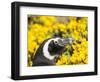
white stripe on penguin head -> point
(45, 50)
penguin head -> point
(57, 45)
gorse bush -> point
(44, 27)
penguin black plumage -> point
(48, 50)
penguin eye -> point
(56, 42)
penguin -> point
(49, 50)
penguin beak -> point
(67, 40)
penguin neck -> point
(46, 52)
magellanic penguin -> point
(49, 49)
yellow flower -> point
(59, 62)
